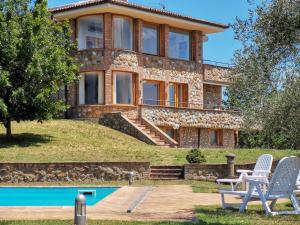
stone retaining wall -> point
(59, 172)
(211, 172)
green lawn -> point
(206, 216)
(69, 140)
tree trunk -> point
(8, 128)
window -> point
(123, 93)
(152, 92)
(178, 95)
(224, 95)
(123, 33)
(216, 137)
(171, 133)
(150, 40)
(179, 45)
(91, 89)
(90, 32)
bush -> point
(195, 156)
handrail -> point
(216, 63)
(189, 105)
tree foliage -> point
(266, 75)
(35, 61)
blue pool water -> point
(50, 196)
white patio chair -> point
(282, 185)
(261, 170)
(298, 185)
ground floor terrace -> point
(160, 203)
(175, 126)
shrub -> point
(195, 156)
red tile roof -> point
(88, 3)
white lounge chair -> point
(282, 185)
(261, 170)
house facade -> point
(142, 72)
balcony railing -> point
(187, 105)
(216, 63)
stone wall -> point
(216, 73)
(211, 172)
(212, 96)
(228, 138)
(180, 117)
(118, 122)
(189, 138)
(60, 172)
(95, 111)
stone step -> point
(167, 167)
(166, 170)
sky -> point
(221, 46)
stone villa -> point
(142, 72)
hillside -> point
(69, 140)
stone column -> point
(108, 39)
(138, 35)
(230, 165)
(164, 40)
(196, 42)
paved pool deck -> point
(172, 202)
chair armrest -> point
(256, 178)
(244, 171)
(262, 171)
(248, 179)
(227, 181)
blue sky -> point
(220, 47)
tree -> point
(35, 62)
(266, 74)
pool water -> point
(51, 196)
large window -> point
(150, 39)
(122, 32)
(178, 95)
(179, 45)
(123, 93)
(152, 93)
(90, 32)
(91, 89)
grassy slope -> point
(67, 140)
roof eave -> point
(67, 10)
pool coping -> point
(56, 186)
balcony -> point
(216, 72)
(100, 58)
(192, 117)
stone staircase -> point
(155, 134)
(139, 128)
(166, 173)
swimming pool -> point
(51, 196)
